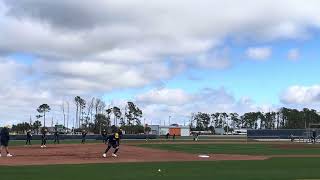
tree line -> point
(92, 116)
(284, 118)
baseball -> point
(159, 170)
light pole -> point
(68, 116)
(169, 120)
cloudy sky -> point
(170, 57)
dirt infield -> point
(92, 153)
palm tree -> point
(109, 111)
(36, 125)
(215, 119)
(82, 105)
(44, 108)
(117, 114)
(235, 119)
(77, 101)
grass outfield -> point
(129, 141)
(275, 169)
(88, 141)
(248, 149)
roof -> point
(182, 127)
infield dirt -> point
(92, 153)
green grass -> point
(275, 169)
(178, 139)
(249, 149)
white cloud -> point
(86, 77)
(214, 60)
(19, 99)
(259, 53)
(165, 96)
(293, 54)
(301, 95)
(91, 48)
(158, 104)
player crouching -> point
(112, 142)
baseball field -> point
(159, 159)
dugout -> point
(308, 134)
(275, 133)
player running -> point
(4, 140)
(118, 136)
(112, 142)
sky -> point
(172, 58)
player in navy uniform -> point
(29, 136)
(314, 136)
(56, 136)
(44, 138)
(104, 136)
(112, 142)
(84, 134)
(118, 136)
(167, 136)
(4, 140)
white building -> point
(172, 130)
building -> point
(219, 131)
(60, 128)
(240, 132)
(173, 129)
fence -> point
(275, 134)
(92, 137)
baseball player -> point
(44, 138)
(195, 136)
(118, 136)
(314, 136)
(29, 136)
(112, 142)
(83, 134)
(4, 140)
(56, 137)
(104, 136)
(167, 136)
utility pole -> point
(114, 119)
(68, 115)
(191, 120)
(125, 112)
(74, 124)
(30, 121)
(64, 115)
